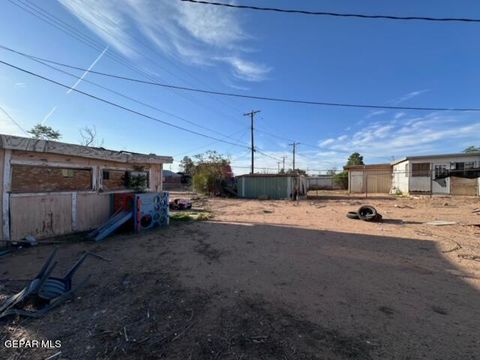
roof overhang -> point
(368, 167)
(438, 156)
(55, 147)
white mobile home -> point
(426, 174)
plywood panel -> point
(461, 186)
(40, 215)
(92, 210)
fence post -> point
(431, 181)
(365, 181)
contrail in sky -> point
(50, 113)
(87, 71)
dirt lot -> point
(270, 280)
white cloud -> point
(246, 70)
(105, 18)
(210, 24)
(408, 96)
(428, 134)
(199, 35)
(375, 113)
(326, 142)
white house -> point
(423, 174)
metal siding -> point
(258, 186)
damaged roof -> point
(18, 143)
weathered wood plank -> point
(92, 210)
(6, 178)
(41, 216)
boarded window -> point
(421, 169)
(26, 178)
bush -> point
(200, 183)
(341, 179)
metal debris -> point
(44, 292)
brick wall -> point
(26, 178)
(115, 180)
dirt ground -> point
(270, 280)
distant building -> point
(374, 178)
(170, 177)
(455, 174)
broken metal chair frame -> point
(52, 290)
(31, 289)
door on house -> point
(440, 185)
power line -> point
(265, 154)
(73, 32)
(325, 13)
(303, 143)
(244, 131)
(120, 106)
(131, 98)
(254, 97)
(13, 120)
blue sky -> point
(257, 53)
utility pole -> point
(294, 150)
(252, 116)
(278, 164)
(283, 157)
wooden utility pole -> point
(294, 150)
(252, 116)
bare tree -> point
(90, 137)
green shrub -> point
(341, 179)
